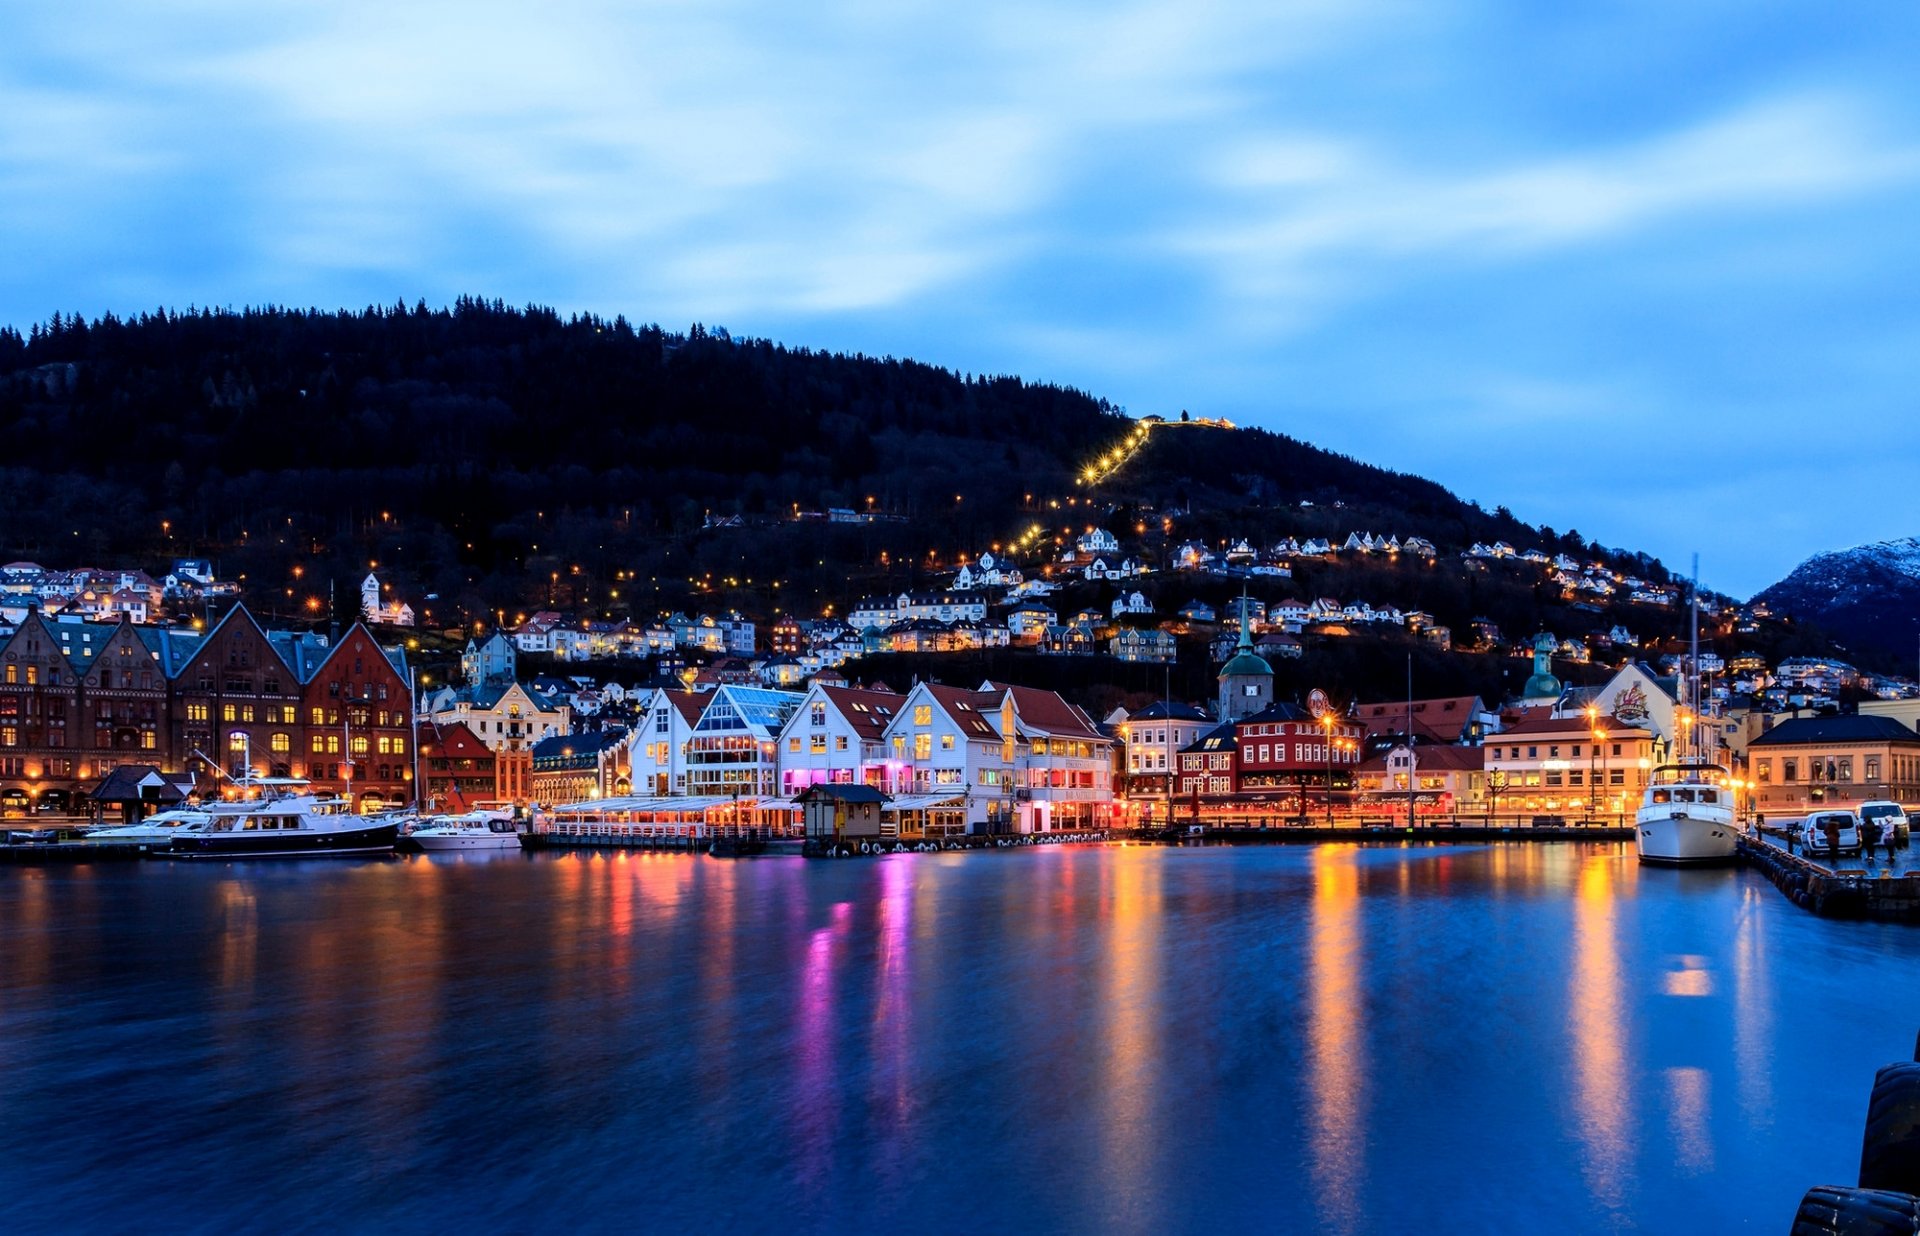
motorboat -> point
(476, 830)
(284, 822)
(157, 830)
(1686, 816)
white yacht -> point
(284, 822)
(157, 830)
(1687, 816)
(476, 830)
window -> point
(923, 746)
(817, 715)
(229, 712)
(793, 744)
(1763, 770)
(1872, 772)
(946, 742)
(923, 714)
(817, 745)
(840, 742)
(237, 740)
(1789, 770)
(281, 744)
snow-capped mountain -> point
(1867, 596)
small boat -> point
(476, 830)
(284, 823)
(1686, 817)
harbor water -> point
(1106, 1038)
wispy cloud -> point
(1299, 206)
(1424, 232)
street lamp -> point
(1326, 723)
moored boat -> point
(1686, 818)
(284, 825)
(157, 831)
(477, 830)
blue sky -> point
(1642, 269)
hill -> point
(492, 460)
(1867, 597)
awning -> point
(923, 802)
(679, 804)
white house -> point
(373, 609)
(837, 735)
(734, 747)
(1096, 541)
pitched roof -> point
(456, 739)
(1853, 728)
(1160, 710)
(966, 708)
(1437, 758)
(689, 704)
(867, 711)
(1440, 719)
(845, 793)
(123, 785)
(1555, 726)
(1223, 737)
(1046, 711)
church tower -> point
(1246, 681)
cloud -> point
(1302, 205)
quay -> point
(71, 851)
(1836, 892)
(1428, 831)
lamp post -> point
(1593, 771)
(1326, 723)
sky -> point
(1643, 270)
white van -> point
(1885, 813)
(1812, 833)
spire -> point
(1246, 634)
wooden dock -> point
(72, 851)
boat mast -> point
(1693, 667)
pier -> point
(1886, 895)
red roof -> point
(689, 704)
(457, 740)
(1439, 719)
(1046, 711)
(1554, 726)
(966, 707)
(1437, 758)
(869, 712)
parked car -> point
(1885, 813)
(1812, 833)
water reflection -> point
(1688, 1112)
(1129, 994)
(1753, 999)
(1343, 1038)
(1597, 1026)
(892, 1030)
(1336, 1049)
